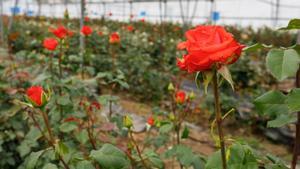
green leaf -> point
(293, 100)
(64, 100)
(50, 166)
(185, 132)
(110, 157)
(293, 24)
(271, 103)
(166, 128)
(67, 127)
(82, 136)
(207, 77)
(84, 165)
(33, 158)
(214, 161)
(255, 47)
(197, 80)
(154, 158)
(282, 119)
(198, 162)
(225, 73)
(283, 63)
(61, 148)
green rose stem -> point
(91, 135)
(83, 58)
(51, 63)
(137, 149)
(60, 58)
(51, 140)
(219, 118)
(177, 122)
(90, 130)
(296, 150)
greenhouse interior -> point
(150, 84)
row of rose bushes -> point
(145, 52)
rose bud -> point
(36, 96)
(180, 97)
(150, 121)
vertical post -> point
(212, 9)
(165, 9)
(81, 40)
(277, 12)
(104, 10)
(1, 22)
(12, 17)
(130, 8)
(39, 2)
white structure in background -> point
(240, 12)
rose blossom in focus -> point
(208, 46)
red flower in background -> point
(86, 19)
(110, 14)
(60, 32)
(35, 94)
(131, 16)
(86, 30)
(180, 97)
(207, 46)
(70, 33)
(114, 38)
(130, 28)
(142, 20)
(50, 43)
(100, 33)
(95, 105)
(150, 121)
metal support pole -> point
(1, 22)
(131, 13)
(277, 12)
(82, 5)
(212, 9)
(165, 9)
(104, 10)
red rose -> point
(109, 14)
(131, 16)
(86, 30)
(150, 121)
(208, 46)
(130, 28)
(142, 20)
(180, 97)
(60, 32)
(35, 95)
(114, 38)
(50, 43)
